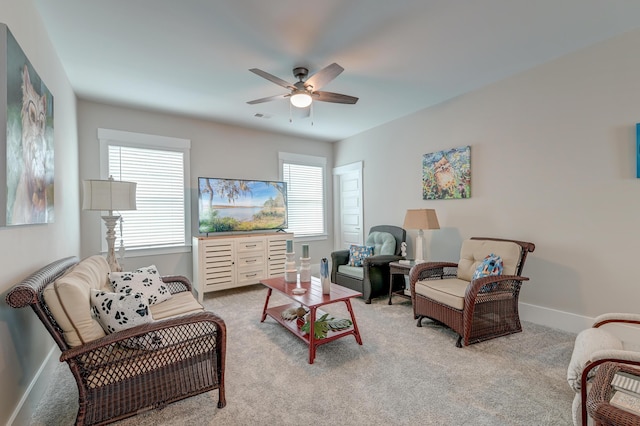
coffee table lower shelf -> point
(276, 313)
(312, 298)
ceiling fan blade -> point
(324, 76)
(334, 97)
(267, 99)
(272, 78)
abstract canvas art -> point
(447, 174)
(26, 111)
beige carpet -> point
(402, 375)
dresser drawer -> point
(250, 245)
(248, 276)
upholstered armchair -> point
(612, 337)
(372, 278)
(476, 308)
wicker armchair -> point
(115, 381)
(476, 309)
(613, 337)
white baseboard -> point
(31, 397)
(553, 318)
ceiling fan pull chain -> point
(290, 119)
(311, 106)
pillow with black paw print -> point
(144, 280)
(119, 311)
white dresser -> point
(229, 261)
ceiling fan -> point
(303, 92)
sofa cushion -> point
(382, 242)
(449, 292)
(473, 253)
(356, 272)
(180, 304)
(587, 343)
(358, 253)
(147, 283)
(68, 299)
(119, 311)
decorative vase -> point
(290, 271)
(305, 269)
(324, 276)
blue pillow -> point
(491, 265)
(358, 253)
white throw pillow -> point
(145, 280)
(119, 311)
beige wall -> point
(217, 150)
(553, 162)
(24, 343)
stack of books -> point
(626, 394)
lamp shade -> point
(421, 219)
(108, 195)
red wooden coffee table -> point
(312, 299)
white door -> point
(349, 223)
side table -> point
(598, 402)
(397, 268)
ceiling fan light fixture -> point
(301, 99)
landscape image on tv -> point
(226, 205)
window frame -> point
(109, 137)
(308, 160)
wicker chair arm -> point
(124, 335)
(627, 318)
(177, 283)
(619, 356)
(427, 270)
(476, 285)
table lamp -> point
(420, 219)
(109, 195)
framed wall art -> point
(447, 174)
(26, 144)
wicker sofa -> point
(115, 378)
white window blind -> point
(159, 219)
(160, 167)
(305, 197)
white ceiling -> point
(191, 57)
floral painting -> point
(447, 174)
(28, 144)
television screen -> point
(227, 205)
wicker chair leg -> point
(459, 342)
(419, 324)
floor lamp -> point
(109, 195)
(420, 219)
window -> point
(160, 167)
(305, 177)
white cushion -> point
(180, 304)
(68, 300)
(587, 343)
(148, 283)
(473, 253)
(119, 311)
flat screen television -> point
(230, 205)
